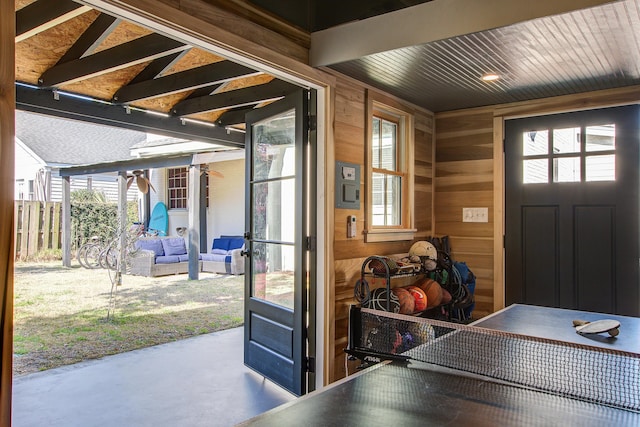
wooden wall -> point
(349, 146)
(7, 154)
(464, 179)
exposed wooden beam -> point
(99, 29)
(233, 99)
(42, 101)
(233, 117)
(134, 52)
(158, 66)
(195, 78)
(128, 165)
(44, 14)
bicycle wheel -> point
(92, 256)
(109, 258)
(81, 253)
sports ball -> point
(419, 296)
(433, 291)
(377, 266)
(378, 300)
(407, 302)
(424, 249)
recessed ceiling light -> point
(489, 77)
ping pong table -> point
(420, 393)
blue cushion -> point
(174, 246)
(185, 257)
(219, 251)
(220, 243)
(236, 243)
(154, 245)
(167, 259)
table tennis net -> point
(592, 374)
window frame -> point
(170, 187)
(377, 107)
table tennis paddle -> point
(599, 326)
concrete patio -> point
(200, 381)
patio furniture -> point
(225, 257)
(160, 256)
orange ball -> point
(407, 301)
(419, 296)
(433, 291)
(446, 297)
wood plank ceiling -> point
(76, 62)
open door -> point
(279, 282)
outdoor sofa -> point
(160, 256)
(225, 256)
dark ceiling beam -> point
(128, 165)
(71, 107)
(204, 91)
(206, 75)
(235, 98)
(134, 52)
(233, 117)
(99, 29)
(158, 66)
(44, 14)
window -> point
(389, 174)
(177, 188)
(576, 154)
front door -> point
(279, 280)
(572, 211)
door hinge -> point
(311, 243)
(312, 122)
(310, 364)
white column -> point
(66, 221)
(193, 201)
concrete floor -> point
(200, 381)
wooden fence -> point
(37, 227)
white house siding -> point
(226, 200)
(106, 184)
(27, 166)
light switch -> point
(475, 214)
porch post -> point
(66, 221)
(194, 221)
(122, 221)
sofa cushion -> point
(154, 245)
(185, 257)
(219, 251)
(228, 243)
(221, 244)
(214, 257)
(167, 259)
(174, 246)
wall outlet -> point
(475, 214)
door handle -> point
(245, 253)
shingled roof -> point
(69, 142)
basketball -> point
(378, 300)
(433, 291)
(407, 302)
(377, 266)
(419, 297)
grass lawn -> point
(66, 315)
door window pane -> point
(566, 140)
(273, 273)
(274, 147)
(274, 210)
(601, 138)
(536, 171)
(601, 168)
(535, 142)
(566, 169)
